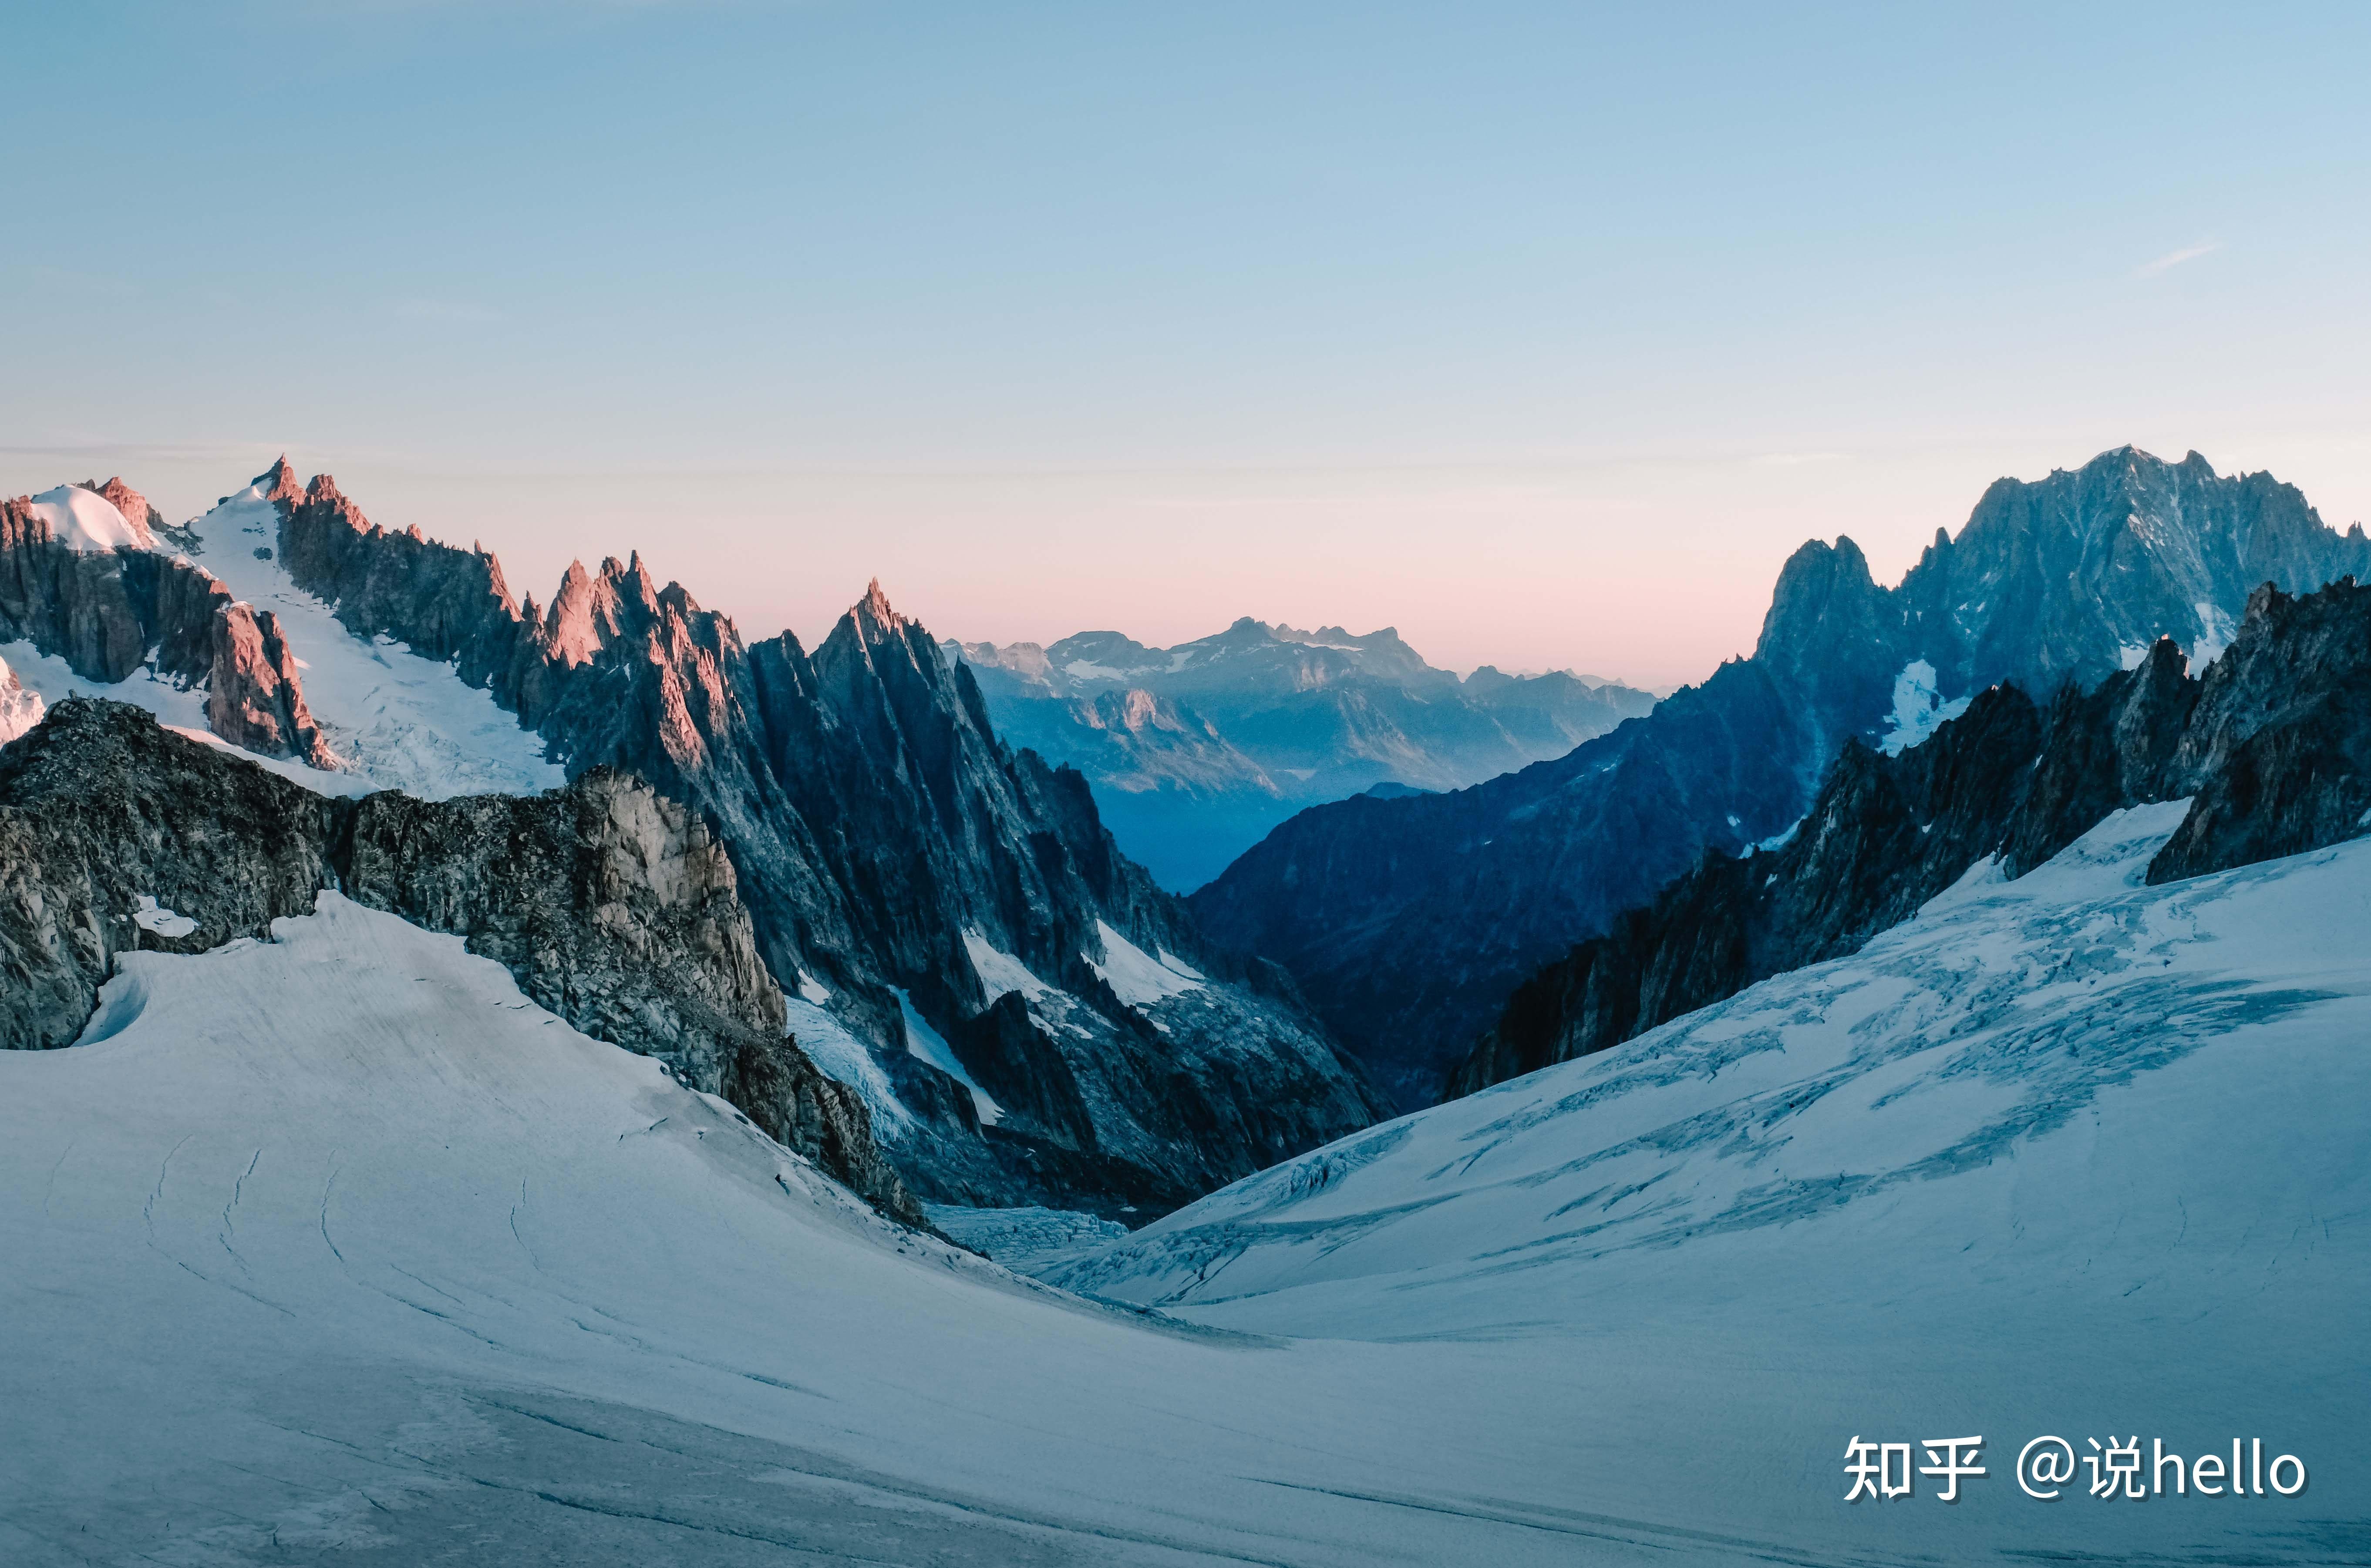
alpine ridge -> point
(1409, 922)
(902, 869)
(2270, 746)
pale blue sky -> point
(1542, 331)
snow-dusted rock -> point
(20, 708)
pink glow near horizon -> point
(1649, 571)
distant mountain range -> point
(1196, 751)
(1409, 922)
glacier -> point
(336, 1249)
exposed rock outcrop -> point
(2274, 745)
(144, 519)
(611, 905)
(254, 698)
(2280, 746)
(116, 835)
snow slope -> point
(20, 706)
(336, 1250)
(402, 722)
(2061, 1154)
(87, 522)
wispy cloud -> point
(1797, 459)
(2173, 258)
(445, 310)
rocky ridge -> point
(108, 615)
(2270, 744)
(612, 905)
(1409, 922)
(883, 838)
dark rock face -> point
(63, 601)
(2280, 745)
(1407, 918)
(876, 826)
(100, 807)
(144, 519)
(612, 905)
(253, 698)
(2067, 579)
(2274, 745)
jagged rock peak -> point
(278, 482)
(873, 614)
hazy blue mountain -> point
(1196, 751)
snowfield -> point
(400, 721)
(336, 1250)
(87, 522)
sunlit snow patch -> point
(1136, 976)
(151, 916)
(842, 1057)
(923, 1042)
(1919, 708)
(86, 522)
(999, 971)
(402, 722)
(20, 706)
(181, 710)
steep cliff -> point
(2070, 578)
(2271, 745)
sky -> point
(1543, 332)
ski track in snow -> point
(2064, 1155)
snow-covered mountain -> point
(2063, 1153)
(1196, 751)
(2274, 741)
(444, 1279)
(1025, 1016)
(1410, 921)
